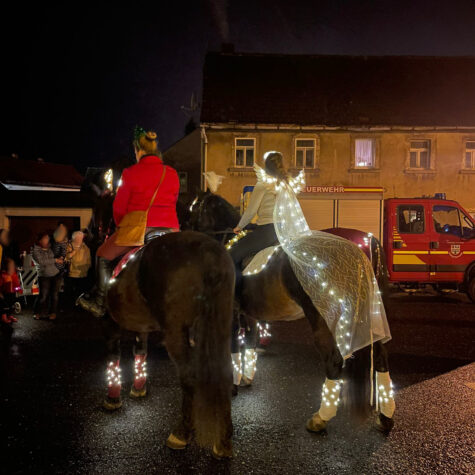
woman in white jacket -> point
(262, 204)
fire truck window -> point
(468, 229)
(446, 220)
(411, 219)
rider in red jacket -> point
(136, 188)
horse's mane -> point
(224, 213)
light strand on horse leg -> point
(237, 368)
(330, 398)
(385, 394)
(140, 371)
(114, 379)
(250, 363)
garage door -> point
(318, 213)
(360, 214)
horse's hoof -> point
(112, 404)
(316, 423)
(384, 424)
(235, 390)
(138, 393)
(245, 381)
(222, 453)
(174, 443)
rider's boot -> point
(139, 388)
(114, 385)
(96, 305)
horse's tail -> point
(380, 268)
(357, 384)
(211, 356)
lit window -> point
(244, 152)
(364, 153)
(305, 153)
(419, 154)
(469, 161)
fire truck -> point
(430, 241)
(427, 241)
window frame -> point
(245, 148)
(373, 150)
(418, 150)
(411, 206)
(472, 152)
(305, 148)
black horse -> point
(275, 294)
(181, 285)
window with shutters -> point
(244, 152)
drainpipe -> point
(204, 157)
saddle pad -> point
(123, 262)
(260, 260)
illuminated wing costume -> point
(334, 272)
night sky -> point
(76, 80)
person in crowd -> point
(59, 246)
(4, 243)
(49, 278)
(149, 184)
(9, 286)
(79, 257)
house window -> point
(244, 152)
(469, 161)
(305, 153)
(364, 153)
(419, 154)
(411, 219)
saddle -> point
(257, 263)
(150, 236)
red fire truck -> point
(430, 241)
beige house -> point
(364, 128)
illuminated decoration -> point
(193, 204)
(263, 330)
(260, 261)
(108, 178)
(333, 271)
(250, 363)
(140, 368)
(234, 240)
(385, 394)
(120, 183)
(330, 398)
(113, 374)
(237, 368)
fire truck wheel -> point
(471, 288)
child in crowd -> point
(49, 278)
(9, 286)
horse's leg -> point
(182, 433)
(327, 348)
(250, 353)
(114, 381)
(384, 389)
(236, 351)
(139, 388)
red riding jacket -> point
(137, 185)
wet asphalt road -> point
(52, 378)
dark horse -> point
(181, 285)
(275, 294)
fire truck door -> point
(448, 261)
(409, 243)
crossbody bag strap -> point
(156, 189)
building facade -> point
(362, 128)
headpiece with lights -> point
(146, 141)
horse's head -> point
(211, 214)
